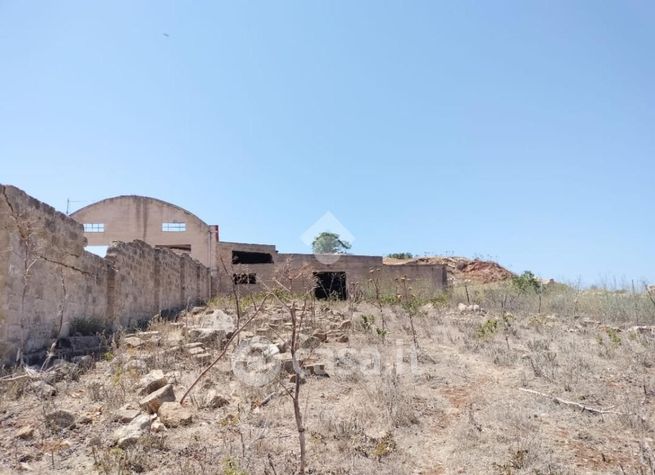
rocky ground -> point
(482, 393)
(461, 269)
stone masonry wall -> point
(47, 279)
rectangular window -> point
(173, 227)
(247, 257)
(240, 279)
(94, 227)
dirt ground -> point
(476, 396)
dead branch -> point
(564, 402)
(227, 346)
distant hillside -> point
(462, 268)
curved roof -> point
(138, 197)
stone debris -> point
(151, 382)
(214, 400)
(321, 336)
(173, 414)
(157, 426)
(283, 346)
(203, 358)
(285, 362)
(216, 320)
(61, 370)
(43, 389)
(462, 307)
(138, 365)
(125, 414)
(25, 432)
(133, 341)
(86, 418)
(195, 344)
(644, 329)
(309, 343)
(85, 362)
(206, 335)
(130, 434)
(153, 401)
(346, 325)
(149, 335)
(60, 419)
(316, 369)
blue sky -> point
(518, 130)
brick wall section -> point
(423, 280)
(47, 279)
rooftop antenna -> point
(68, 204)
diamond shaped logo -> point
(327, 223)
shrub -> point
(526, 282)
(401, 255)
(83, 326)
(488, 328)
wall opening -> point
(241, 279)
(94, 227)
(247, 257)
(173, 227)
(330, 285)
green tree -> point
(526, 282)
(329, 243)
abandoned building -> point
(253, 267)
(160, 258)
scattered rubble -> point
(60, 419)
(173, 414)
(154, 400)
(126, 414)
(462, 307)
(133, 341)
(43, 389)
(25, 432)
(129, 434)
(214, 400)
(151, 382)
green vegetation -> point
(488, 328)
(527, 282)
(401, 255)
(329, 243)
(368, 321)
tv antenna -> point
(68, 204)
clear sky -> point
(518, 130)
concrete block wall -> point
(47, 279)
(360, 271)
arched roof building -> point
(159, 223)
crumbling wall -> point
(47, 279)
(363, 273)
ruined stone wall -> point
(47, 279)
(297, 272)
(265, 273)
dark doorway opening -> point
(330, 285)
(240, 279)
(247, 257)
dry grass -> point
(453, 405)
